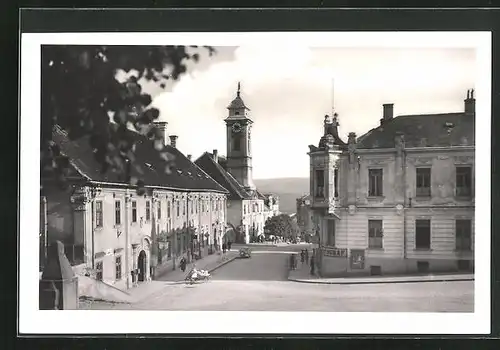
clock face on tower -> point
(236, 127)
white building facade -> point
(399, 199)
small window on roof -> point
(179, 171)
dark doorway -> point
(141, 265)
(375, 270)
(423, 266)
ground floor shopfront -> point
(335, 262)
(392, 241)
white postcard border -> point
(32, 320)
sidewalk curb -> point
(222, 264)
(380, 281)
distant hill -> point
(288, 190)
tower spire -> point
(239, 88)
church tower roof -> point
(238, 103)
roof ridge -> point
(207, 174)
(222, 171)
(149, 161)
(421, 129)
(430, 114)
(226, 174)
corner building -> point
(122, 238)
(399, 199)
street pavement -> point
(260, 284)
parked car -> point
(245, 253)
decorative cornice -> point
(464, 160)
(420, 160)
(377, 161)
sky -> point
(289, 89)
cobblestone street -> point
(260, 284)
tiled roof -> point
(237, 103)
(184, 176)
(260, 195)
(304, 197)
(430, 130)
(224, 178)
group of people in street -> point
(304, 259)
(183, 262)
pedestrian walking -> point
(183, 264)
(312, 265)
(302, 256)
(223, 248)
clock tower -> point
(239, 146)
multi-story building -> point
(271, 205)
(305, 217)
(399, 199)
(246, 208)
(119, 234)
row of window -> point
(182, 246)
(205, 207)
(463, 234)
(256, 207)
(423, 182)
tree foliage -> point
(81, 94)
(281, 225)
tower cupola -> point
(237, 108)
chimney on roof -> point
(162, 127)
(215, 155)
(173, 141)
(351, 138)
(470, 103)
(388, 113)
(189, 156)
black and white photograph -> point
(255, 182)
